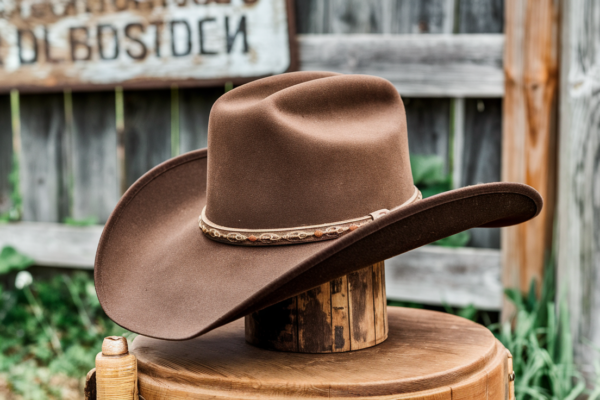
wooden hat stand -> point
(330, 342)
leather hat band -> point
(301, 234)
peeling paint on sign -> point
(85, 43)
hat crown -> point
(306, 148)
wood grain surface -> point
(428, 122)
(578, 238)
(438, 275)
(477, 16)
(6, 152)
(194, 109)
(529, 132)
(482, 156)
(147, 131)
(346, 314)
(96, 174)
(478, 154)
(428, 355)
(374, 16)
(418, 65)
(43, 163)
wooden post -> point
(511, 377)
(116, 371)
(346, 314)
(578, 239)
(529, 119)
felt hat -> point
(306, 178)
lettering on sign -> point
(47, 44)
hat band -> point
(300, 234)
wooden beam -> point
(418, 65)
(531, 68)
(578, 213)
(436, 275)
(55, 245)
(430, 275)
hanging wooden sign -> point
(86, 44)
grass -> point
(51, 329)
(539, 338)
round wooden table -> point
(428, 355)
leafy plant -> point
(14, 213)
(12, 260)
(539, 338)
(429, 177)
(50, 329)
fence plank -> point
(481, 16)
(578, 238)
(374, 16)
(51, 244)
(6, 151)
(95, 164)
(529, 112)
(194, 109)
(437, 275)
(482, 135)
(147, 116)
(43, 160)
(419, 16)
(428, 123)
(482, 155)
(430, 274)
(418, 65)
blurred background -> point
(493, 90)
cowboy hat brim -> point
(156, 274)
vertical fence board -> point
(482, 135)
(418, 16)
(374, 16)
(428, 119)
(194, 109)
(43, 171)
(95, 165)
(428, 123)
(529, 112)
(578, 234)
(481, 16)
(6, 151)
(147, 131)
(482, 152)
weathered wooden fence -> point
(78, 151)
(578, 233)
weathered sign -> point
(46, 44)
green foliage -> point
(405, 304)
(539, 338)
(81, 222)
(429, 177)
(14, 213)
(53, 327)
(11, 260)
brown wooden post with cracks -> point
(116, 371)
(346, 314)
(529, 133)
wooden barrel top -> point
(428, 355)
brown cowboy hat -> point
(306, 178)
